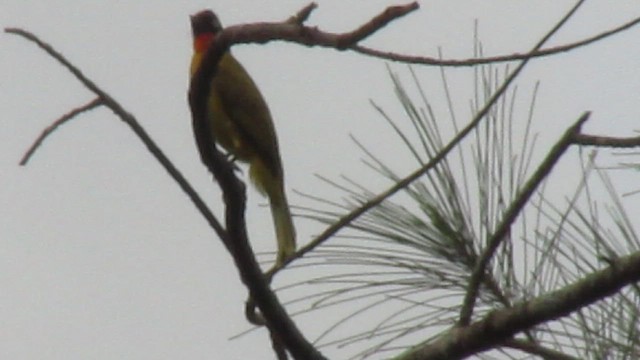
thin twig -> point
(303, 14)
(55, 125)
(389, 14)
(606, 141)
(424, 60)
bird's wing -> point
(248, 110)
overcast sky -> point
(103, 257)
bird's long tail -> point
(285, 232)
(273, 187)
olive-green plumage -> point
(240, 121)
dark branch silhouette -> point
(55, 125)
(106, 100)
(606, 141)
(424, 60)
(503, 324)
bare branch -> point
(605, 141)
(262, 32)
(500, 325)
(424, 60)
(375, 24)
(130, 120)
(59, 122)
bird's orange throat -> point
(202, 41)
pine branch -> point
(500, 325)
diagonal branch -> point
(130, 120)
(55, 125)
(501, 325)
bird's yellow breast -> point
(239, 118)
(229, 105)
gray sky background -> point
(101, 254)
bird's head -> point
(205, 26)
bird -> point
(239, 120)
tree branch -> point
(130, 120)
(55, 125)
(605, 141)
(344, 41)
(292, 30)
(424, 60)
(500, 325)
